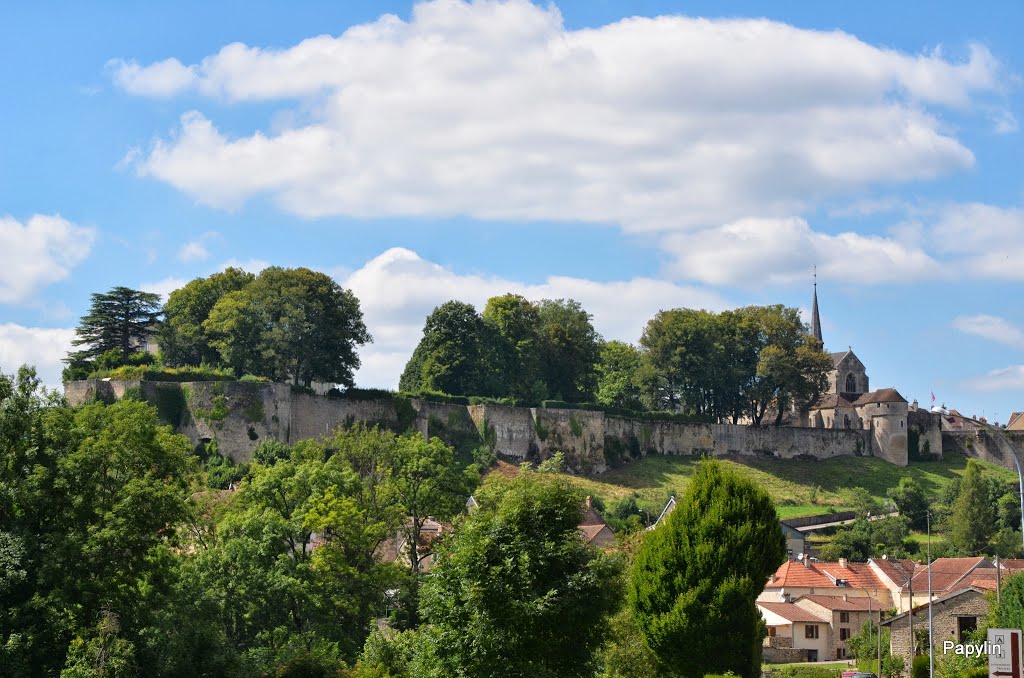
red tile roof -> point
(898, 571)
(948, 573)
(791, 612)
(882, 395)
(855, 604)
(795, 574)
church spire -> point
(815, 318)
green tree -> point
(972, 522)
(1009, 614)
(120, 319)
(515, 591)
(183, 341)
(571, 350)
(791, 367)
(292, 325)
(89, 503)
(696, 578)
(617, 372)
(515, 322)
(910, 501)
(454, 354)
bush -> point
(254, 379)
(151, 373)
(558, 405)
(920, 667)
(438, 397)
(367, 394)
(505, 402)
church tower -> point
(815, 318)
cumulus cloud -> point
(161, 79)
(991, 327)
(42, 348)
(38, 252)
(398, 289)
(197, 249)
(163, 287)
(759, 251)
(1005, 379)
(987, 238)
(496, 110)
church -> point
(850, 404)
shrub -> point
(557, 405)
(438, 397)
(253, 378)
(368, 394)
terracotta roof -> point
(948, 573)
(590, 532)
(856, 604)
(898, 571)
(791, 612)
(795, 574)
(1012, 565)
(882, 395)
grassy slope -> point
(798, 487)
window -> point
(844, 633)
(771, 631)
(840, 653)
(844, 617)
(810, 631)
(965, 625)
(851, 383)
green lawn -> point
(798, 487)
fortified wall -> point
(997, 447)
(240, 415)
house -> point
(844, 616)
(953, 616)
(595, 530)
(1015, 422)
(805, 577)
(796, 541)
(670, 506)
(794, 633)
(395, 549)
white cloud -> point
(38, 252)
(197, 249)
(988, 239)
(773, 251)
(398, 289)
(163, 287)
(496, 110)
(991, 327)
(161, 79)
(40, 347)
(1005, 379)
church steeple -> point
(815, 318)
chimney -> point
(844, 563)
(807, 561)
(845, 597)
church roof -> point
(837, 356)
(831, 401)
(882, 395)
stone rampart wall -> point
(240, 415)
(997, 447)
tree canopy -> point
(120, 320)
(516, 591)
(292, 325)
(183, 340)
(696, 578)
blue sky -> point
(634, 156)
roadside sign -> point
(1005, 654)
